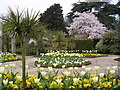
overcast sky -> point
(37, 5)
(41, 5)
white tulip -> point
(101, 74)
(96, 67)
(83, 67)
(66, 73)
(95, 79)
(19, 77)
(75, 68)
(55, 64)
(112, 71)
(36, 80)
(75, 80)
(88, 69)
(50, 69)
(41, 68)
(82, 73)
(0, 75)
(5, 82)
(2, 69)
(0, 64)
(43, 73)
(10, 82)
(27, 66)
(63, 66)
(38, 65)
(70, 68)
(108, 68)
(59, 81)
(115, 67)
(6, 66)
(12, 65)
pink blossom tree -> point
(86, 23)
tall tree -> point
(86, 24)
(103, 10)
(53, 17)
(22, 25)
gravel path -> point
(103, 62)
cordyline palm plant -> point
(21, 24)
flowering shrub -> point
(69, 79)
(8, 57)
(86, 23)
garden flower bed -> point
(85, 53)
(69, 79)
(6, 57)
(61, 61)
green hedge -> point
(110, 43)
(84, 44)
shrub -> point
(84, 44)
(110, 43)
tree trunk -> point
(27, 44)
(23, 47)
(13, 45)
(0, 40)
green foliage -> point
(84, 44)
(110, 43)
(103, 10)
(59, 41)
(71, 43)
(53, 17)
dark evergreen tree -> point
(103, 10)
(53, 17)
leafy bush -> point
(110, 43)
(84, 44)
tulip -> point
(82, 73)
(95, 79)
(108, 68)
(19, 77)
(63, 66)
(27, 66)
(5, 82)
(38, 65)
(36, 80)
(70, 68)
(115, 67)
(2, 69)
(0, 75)
(10, 82)
(112, 71)
(75, 80)
(43, 73)
(88, 69)
(12, 65)
(96, 67)
(83, 67)
(50, 69)
(54, 64)
(0, 64)
(101, 74)
(75, 68)
(66, 73)
(59, 81)
(6, 66)
(41, 69)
